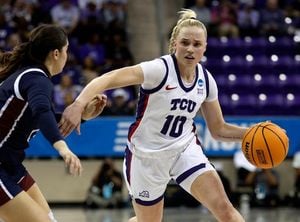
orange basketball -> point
(265, 145)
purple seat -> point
(283, 64)
(233, 64)
(291, 84)
(292, 106)
(267, 83)
(272, 105)
(244, 105)
(259, 42)
(226, 107)
(282, 46)
(242, 84)
(222, 82)
(213, 42)
(257, 46)
(213, 66)
(260, 64)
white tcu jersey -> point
(164, 121)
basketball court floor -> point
(77, 214)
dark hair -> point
(4, 58)
(42, 40)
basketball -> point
(265, 145)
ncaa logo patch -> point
(200, 84)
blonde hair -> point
(187, 18)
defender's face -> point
(190, 45)
(63, 56)
(59, 59)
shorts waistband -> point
(165, 154)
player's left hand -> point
(94, 107)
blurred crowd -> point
(239, 18)
(98, 39)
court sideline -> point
(77, 214)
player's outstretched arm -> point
(72, 115)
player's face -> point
(190, 45)
(61, 59)
(63, 56)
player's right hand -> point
(72, 162)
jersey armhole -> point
(206, 80)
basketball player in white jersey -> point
(162, 142)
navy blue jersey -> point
(25, 107)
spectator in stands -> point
(41, 13)
(224, 17)
(23, 28)
(248, 18)
(89, 70)
(84, 3)
(66, 14)
(119, 103)
(272, 19)
(118, 53)
(202, 11)
(65, 93)
(6, 9)
(90, 23)
(12, 40)
(73, 68)
(5, 31)
(292, 11)
(106, 188)
(89, 12)
(93, 48)
(263, 184)
(113, 10)
(22, 10)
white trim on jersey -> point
(16, 84)
(15, 123)
(6, 105)
(5, 190)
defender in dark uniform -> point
(25, 108)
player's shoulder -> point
(35, 70)
(33, 77)
(166, 57)
(30, 73)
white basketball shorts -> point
(147, 178)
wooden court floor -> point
(77, 214)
